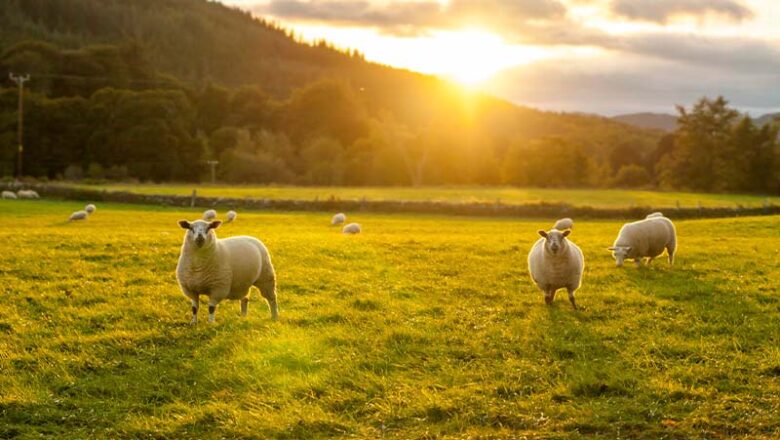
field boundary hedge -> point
(478, 209)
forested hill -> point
(235, 82)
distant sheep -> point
(338, 219)
(645, 238)
(90, 208)
(223, 269)
(78, 215)
(27, 194)
(554, 263)
(563, 224)
(231, 215)
(352, 228)
(9, 195)
(209, 215)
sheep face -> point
(554, 240)
(620, 253)
(200, 233)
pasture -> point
(420, 327)
(598, 198)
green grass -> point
(507, 195)
(421, 327)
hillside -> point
(655, 121)
(211, 53)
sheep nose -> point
(200, 240)
(554, 248)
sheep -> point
(563, 224)
(655, 214)
(9, 195)
(352, 228)
(231, 215)
(27, 194)
(554, 263)
(223, 268)
(209, 215)
(90, 208)
(645, 238)
(78, 215)
(338, 219)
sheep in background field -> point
(231, 215)
(554, 263)
(27, 194)
(90, 208)
(655, 214)
(645, 238)
(223, 269)
(78, 215)
(352, 228)
(563, 224)
(209, 215)
(9, 195)
(338, 219)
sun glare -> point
(469, 57)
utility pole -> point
(213, 164)
(20, 80)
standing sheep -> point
(554, 263)
(223, 269)
(9, 195)
(90, 208)
(352, 228)
(27, 194)
(209, 215)
(231, 215)
(645, 238)
(338, 219)
(78, 215)
(563, 224)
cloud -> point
(660, 11)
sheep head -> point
(554, 240)
(200, 233)
(620, 253)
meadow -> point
(600, 198)
(420, 327)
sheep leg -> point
(212, 310)
(549, 296)
(244, 305)
(638, 262)
(268, 290)
(571, 298)
(195, 304)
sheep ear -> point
(611, 248)
(566, 233)
(215, 224)
(185, 224)
(542, 233)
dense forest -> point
(153, 89)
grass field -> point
(421, 327)
(507, 195)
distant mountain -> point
(767, 118)
(657, 121)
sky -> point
(596, 56)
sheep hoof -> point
(193, 321)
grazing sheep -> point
(223, 269)
(90, 208)
(352, 228)
(554, 263)
(9, 195)
(655, 214)
(563, 224)
(78, 215)
(645, 238)
(209, 215)
(27, 194)
(338, 219)
(231, 215)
